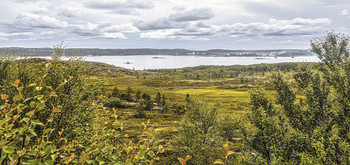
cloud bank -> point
(170, 23)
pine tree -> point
(138, 95)
(163, 100)
(158, 99)
(115, 92)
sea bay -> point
(141, 62)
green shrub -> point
(55, 118)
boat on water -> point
(128, 62)
(156, 57)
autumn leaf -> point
(218, 161)
(182, 161)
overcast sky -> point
(189, 24)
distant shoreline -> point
(159, 52)
(165, 55)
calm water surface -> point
(140, 62)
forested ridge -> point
(76, 112)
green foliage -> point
(138, 95)
(229, 126)
(158, 99)
(50, 115)
(55, 118)
(219, 72)
(44, 76)
(115, 92)
(334, 53)
(268, 138)
(200, 133)
(20, 140)
(311, 132)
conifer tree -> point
(158, 99)
(138, 95)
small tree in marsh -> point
(115, 92)
(138, 95)
(158, 99)
(200, 133)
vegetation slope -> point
(77, 112)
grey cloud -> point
(93, 34)
(26, 35)
(192, 15)
(84, 32)
(202, 25)
(102, 30)
(124, 8)
(30, 22)
(196, 33)
(69, 13)
(113, 28)
(26, 1)
(291, 33)
(196, 30)
(180, 19)
(125, 12)
(111, 5)
(159, 24)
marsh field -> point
(227, 87)
(159, 97)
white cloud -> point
(3, 36)
(4, 39)
(126, 28)
(159, 34)
(273, 27)
(31, 21)
(344, 12)
(301, 21)
(332, 2)
(102, 30)
(171, 34)
(288, 42)
(112, 36)
(169, 20)
(21, 34)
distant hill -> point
(147, 51)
